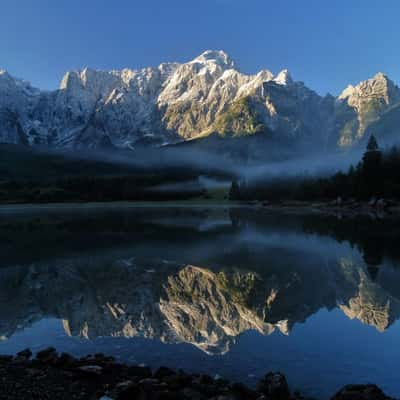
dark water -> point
(233, 292)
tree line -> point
(134, 187)
(377, 175)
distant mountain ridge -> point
(177, 102)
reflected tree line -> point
(175, 230)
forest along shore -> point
(349, 206)
(61, 376)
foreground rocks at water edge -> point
(61, 376)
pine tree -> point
(372, 144)
(234, 192)
(372, 179)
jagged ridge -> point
(174, 101)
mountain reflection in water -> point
(202, 277)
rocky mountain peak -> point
(18, 83)
(283, 78)
(6, 82)
(363, 105)
(380, 76)
(94, 81)
(349, 91)
(218, 57)
(70, 78)
(379, 86)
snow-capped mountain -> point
(174, 102)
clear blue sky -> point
(326, 44)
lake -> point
(236, 292)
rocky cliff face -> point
(174, 102)
(95, 108)
(203, 90)
(17, 102)
(358, 107)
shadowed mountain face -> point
(196, 276)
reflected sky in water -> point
(234, 292)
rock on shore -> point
(61, 376)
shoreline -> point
(61, 376)
(328, 208)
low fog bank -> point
(227, 162)
(314, 166)
(175, 172)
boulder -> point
(131, 392)
(66, 360)
(192, 394)
(48, 355)
(24, 354)
(360, 392)
(274, 386)
(139, 372)
(91, 369)
(163, 372)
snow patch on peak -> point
(349, 91)
(265, 74)
(283, 78)
(68, 78)
(88, 73)
(218, 57)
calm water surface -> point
(234, 292)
